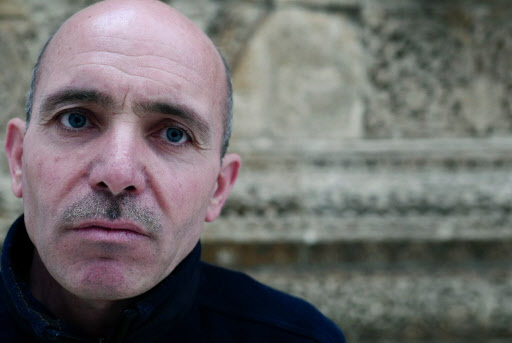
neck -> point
(92, 317)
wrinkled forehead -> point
(136, 29)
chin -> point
(102, 282)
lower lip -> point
(111, 235)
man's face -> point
(121, 160)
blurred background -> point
(376, 137)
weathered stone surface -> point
(234, 27)
(327, 5)
(201, 12)
(11, 10)
(359, 255)
(396, 240)
(291, 83)
(438, 69)
(306, 229)
(444, 178)
(14, 59)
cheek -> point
(47, 180)
(184, 199)
(38, 185)
(195, 188)
(40, 179)
(176, 183)
(43, 173)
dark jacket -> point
(198, 302)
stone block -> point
(291, 81)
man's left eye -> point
(176, 136)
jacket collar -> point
(163, 306)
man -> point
(121, 160)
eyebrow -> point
(197, 124)
(65, 96)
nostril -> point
(102, 185)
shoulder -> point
(238, 297)
(9, 331)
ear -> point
(14, 150)
(225, 182)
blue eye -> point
(74, 120)
(176, 136)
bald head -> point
(138, 27)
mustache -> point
(102, 205)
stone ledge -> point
(442, 146)
(450, 152)
(339, 192)
(359, 242)
(407, 255)
(311, 229)
(321, 3)
(401, 177)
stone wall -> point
(377, 148)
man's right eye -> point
(74, 120)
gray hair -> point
(228, 110)
(34, 80)
(227, 116)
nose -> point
(118, 166)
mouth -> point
(110, 230)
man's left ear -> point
(225, 182)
